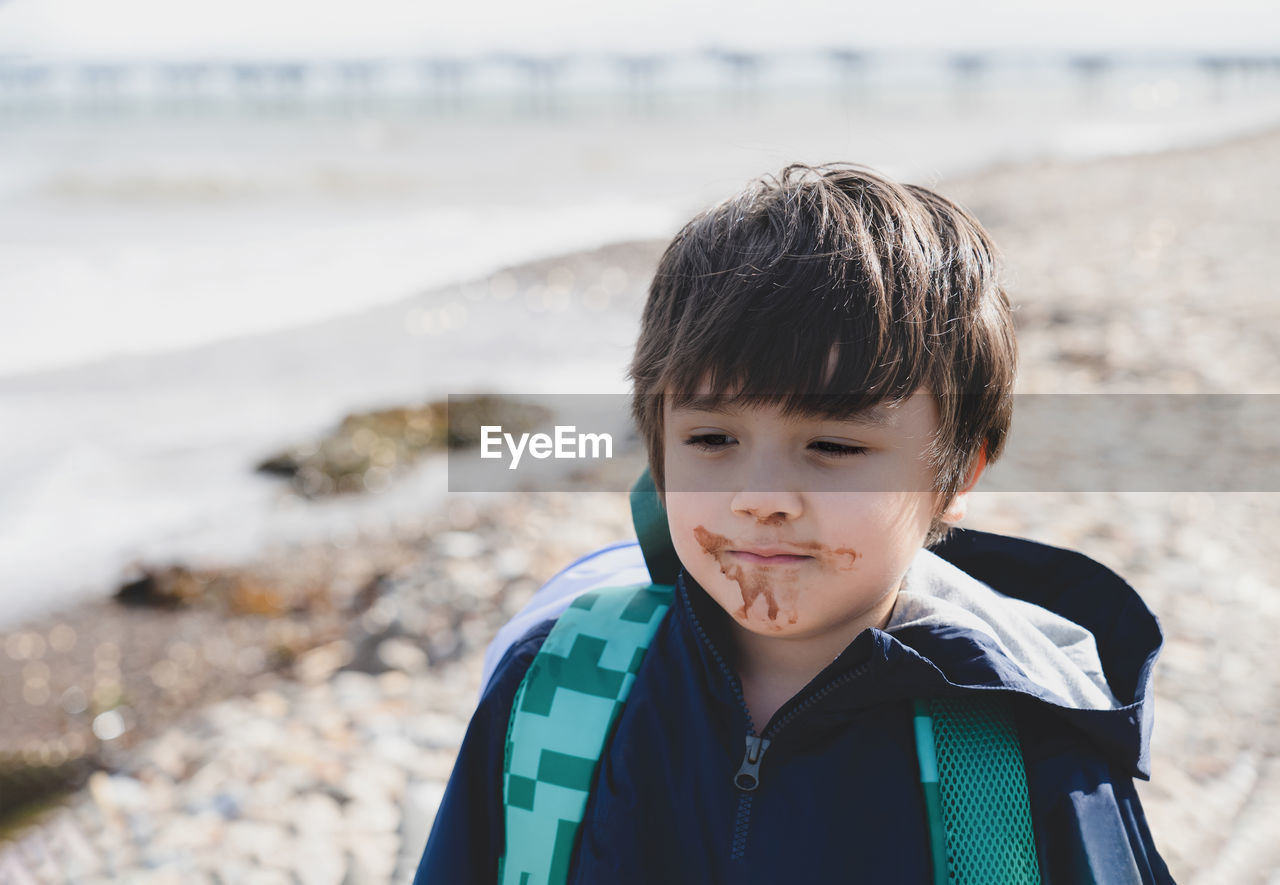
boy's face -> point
(800, 528)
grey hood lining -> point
(1055, 653)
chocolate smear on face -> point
(754, 583)
(849, 552)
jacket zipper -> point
(747, 778)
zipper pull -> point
(748, 776)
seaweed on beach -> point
(368, 449)
(30, 783)
(236, 592)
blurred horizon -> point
(215, 160)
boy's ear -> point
(959, 506)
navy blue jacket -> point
(839, 797)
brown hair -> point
(754, 293)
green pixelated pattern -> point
(563, 714)
(982, 793)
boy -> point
(825, 367)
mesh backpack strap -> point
(561, 718)
(975, 790)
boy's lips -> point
(769, 556)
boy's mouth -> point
(767, 556)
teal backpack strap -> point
(562, 715)
(975, 791)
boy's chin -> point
(768, 629)
(761, 621)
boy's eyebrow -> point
(720, 404)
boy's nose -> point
(767, 506)
(764, 490)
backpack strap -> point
(975, 791)
(561, 718)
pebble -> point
(319, 862)
(403, 654)
(459, 545)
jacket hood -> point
(986, 612)
(1060, 657)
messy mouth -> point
(747, 556)
(767, 571)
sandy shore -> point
(1137, 274)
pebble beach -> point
(299, 721)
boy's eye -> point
(708, 442)
(714, 442)
(839, 449)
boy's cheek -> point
(684, 478)
(685, 508)
(694, 541)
